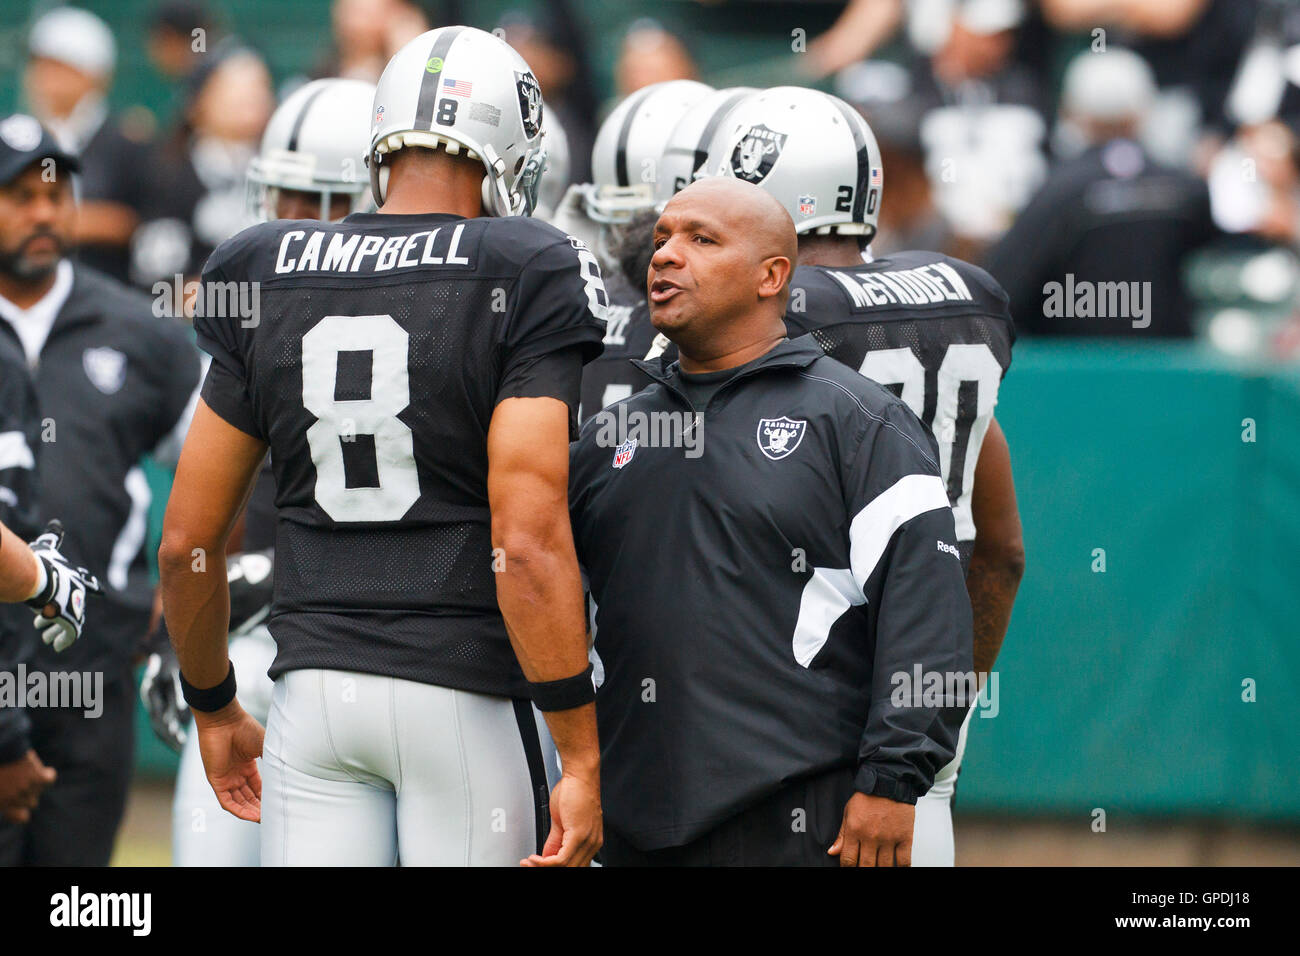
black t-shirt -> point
(701, 386)
(382, 347)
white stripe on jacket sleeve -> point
(832, 591)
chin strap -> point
(496, 200)
(377, 186)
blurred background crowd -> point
(1116, 140)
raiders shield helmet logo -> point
(105, 367)
(779, 437)
(756, 153)
(530, 103)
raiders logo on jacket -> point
(766, 566)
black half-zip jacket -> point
(113, 383)
(755, 595)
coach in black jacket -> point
(768, 584)
(113, 383)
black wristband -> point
(563, 694)
(207, 699)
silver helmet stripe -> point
(620, 156)
(702, 147)
(301, 118)
(854, 120)
(432, 82)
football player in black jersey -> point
(934, 329)
(308, 167)
(415, 374)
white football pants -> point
(363, 770)
(203, 833)
(932, 843)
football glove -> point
(251, 576)
(62, 602)
(160, 692)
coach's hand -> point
(230, 741)
(876, 831)
(21, 783)
(577, 828)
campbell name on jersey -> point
(380, 348)
(935, 330)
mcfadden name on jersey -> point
(379, 349)
(934, 330)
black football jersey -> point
(935, 330)
(628, 336)
(381, 346)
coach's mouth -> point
(661, 290)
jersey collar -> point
(392, 219)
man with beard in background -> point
(113, 384)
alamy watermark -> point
(627, 431)
(133, 911)
(1098, 300)
(77, 690)
(175, 297)
(919, 688)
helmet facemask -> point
(282, 170)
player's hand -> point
(876, 831)
(577, 828)
(160, 692)
(230, 741)
(21, 784)
(62, 602)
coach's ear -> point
(775, 277)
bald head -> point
(753, 213)
(719, 279)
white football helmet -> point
(812, 151)
(315, 142)
(458, 88)
(629, 146)
(555, 179)
(688, 144)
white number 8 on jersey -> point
(342, 420)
